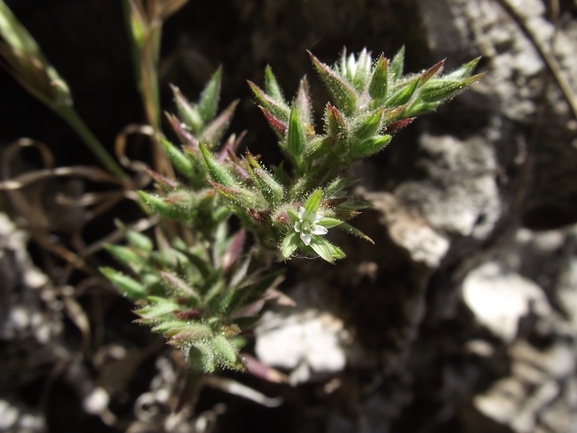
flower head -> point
(307, 229)
(307, 225)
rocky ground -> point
(462, 317)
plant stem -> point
(69, 114)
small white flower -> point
(307, 225)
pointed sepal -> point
(188, 113)
(208, 103)
(355, 232)
(404, 94)
(176, 206)
(370, 146)
(303, 104)
(368, 124)
(395, 127)
(378, 86)
(271, 86)
(129, 287)
(296, 138)
(215, 130)
(344, 95)
(464, 71)
(397, 65)
(277, 109)
(278, 126)
(431, 72)
(335, 121)
(217, 172)
(269, 187)
(178, 159)
(443, 89)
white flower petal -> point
(303, 213)
(318, 217)
(319, 230)
(306, 238)
(297, 227)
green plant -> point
(201, 286)
(199, 293)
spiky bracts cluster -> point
(200, 295)
(371, 101)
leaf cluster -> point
(200, 294)
(200, 298)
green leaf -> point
(403, 95)
(271, 190)
(139, 241)
(271, 86)
(329, 223)
(368, 124)
(201, 358)
(157, 308)
(187, 112)
(343, 93)
(304, 103)
(125, 255)
(178, 159)
(293, 215)
(277, 125)
(215, 130)
(152, 282)
(209, 97)
(216, 171)
(278, 110)
(431, 72)
(464, 71)
(442, 89)
(171, 327)
(128, 287)
(244, 198)
(335, 121)
(198, 262)
(355, 232)
(391, 113)
(337, 186)
(378, 86)
(313, 202)
(233, 299)
(180, 287)
(227, 353)
(370, 146)
(192, 331)
(318, 146)
(335, 251)
(362, 70)
(321, 247)
(296, 139)
(164, 208)
(289, 244)
(221, 214)
(413, 110)
(397, 65)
